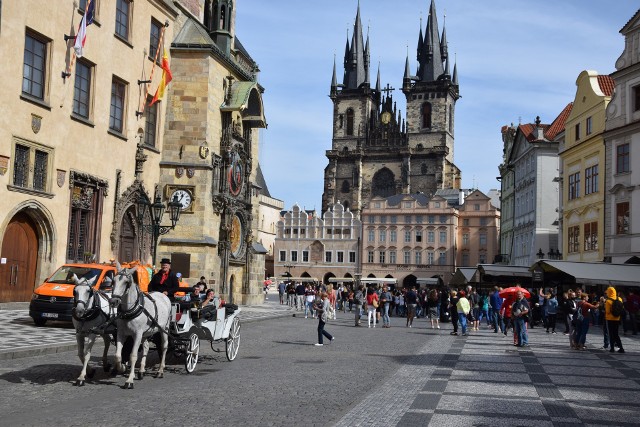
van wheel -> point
(40, 322)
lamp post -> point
(288, 267)
(540, 254)
(156, 211)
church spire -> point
(455, 74)
(356, 57)
(378, 80)
(334, 80)
(444, 46)
(431, 65)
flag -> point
(166, 78)
(81, 36)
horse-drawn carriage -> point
(129, 313)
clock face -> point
(237, 236)
(235, 175)
(184, 198)
(385, 118)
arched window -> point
(345, 186)
(451, 119)
(346, 205)
(350, 122)
(223, 17)
(426, 115)
(383, 183)
(423, 169)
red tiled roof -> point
(558, 124)
(528, 128)
(606, 84)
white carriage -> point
(191, 324)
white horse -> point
(140, 316)
(91, 312)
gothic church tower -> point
(375, 152)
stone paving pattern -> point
(382, 377)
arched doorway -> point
(128, 246)
(20, 248)
(383, 183)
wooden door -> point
(128, 248)
(20, 249)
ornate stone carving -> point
(140, 159)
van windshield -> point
(65, 274)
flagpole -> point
(153, 68)
(67, 73)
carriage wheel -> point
(191, 354)
(233, 342)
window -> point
(418, 257)
(574, 239)
(636, 98)
(327, 256)
(85, 219)
(116, 114)
(372, 236)
(340, 256)
(589, 126)
(294, 256)
(418, 236)
(82, 89)
(151, 124)
(407, 218)
(574, 186)
(407, 257)
(383, 219)
(407, 236)
(622, 218)
(382, 257)
(349, 122)
(370, 256)
(622, 158)
(465, 239)
(577, 128)
(123, 11)
(591, 236)
(154, 40)
(394, 236)
(437, 204)
(431, 236)
(35, 66)
(465, 259)
(392, 257)
(482, 259)
(283, 256)
(383, 235)
(443, 237)
(465, 222)
(372, 219)
(483, 239)
(352, 256)
(426, 115)
(305, 256)
(431, 219)
(430, 258)
(443, 219)
(408, 205)
(483, 221)
(442, 258)
(376, 204)
(476, 207)
(394, 219)
(418, 219)
(591, 180)
(31, 165)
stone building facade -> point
(375, 151)
(72, 148)
(622, 139)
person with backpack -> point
(583, 319)
(613, 310)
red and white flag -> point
(81, 36)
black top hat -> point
(165, 261)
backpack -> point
(578, 316)
(617, 308)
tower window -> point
(350, 122)
(426, 115)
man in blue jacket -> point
(496, 304)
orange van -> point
(53, 300)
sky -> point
(517, 59)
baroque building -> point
(375, 151)
(622, 141)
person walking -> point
(632, 306)
(310, 299)
(582, 325)
(282, 288)
(411, 300)
(552, 313)
(463, 308)
(453, 303)
(432, 308)
(333, 297)
(300, 291)
(358, 300)
(496, 305)
(385, 302)
(520, 311)
(321, 307)
(372, 305)
(612, 316)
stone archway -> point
(125, 226)
(383, 183)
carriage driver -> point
(164, 280)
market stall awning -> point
(593, 273)
(504, 270)
(341, 279)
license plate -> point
(50, 315)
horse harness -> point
(95, 310)
(139, 308)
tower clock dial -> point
(385, 117)
(184, 198)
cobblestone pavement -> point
(382, 377)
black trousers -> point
(614, 335)
(322, 332)
(551, 322)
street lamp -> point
(156, 211)
(540, 254)
(288, 267)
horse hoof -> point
(91, 373)
(128, 386)
(79, 383)
(139, 375)
(107, 367)
(159, 375)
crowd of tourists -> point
(505, 310)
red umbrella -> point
(512, 291)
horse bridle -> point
(90, 312)
(138, 307)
